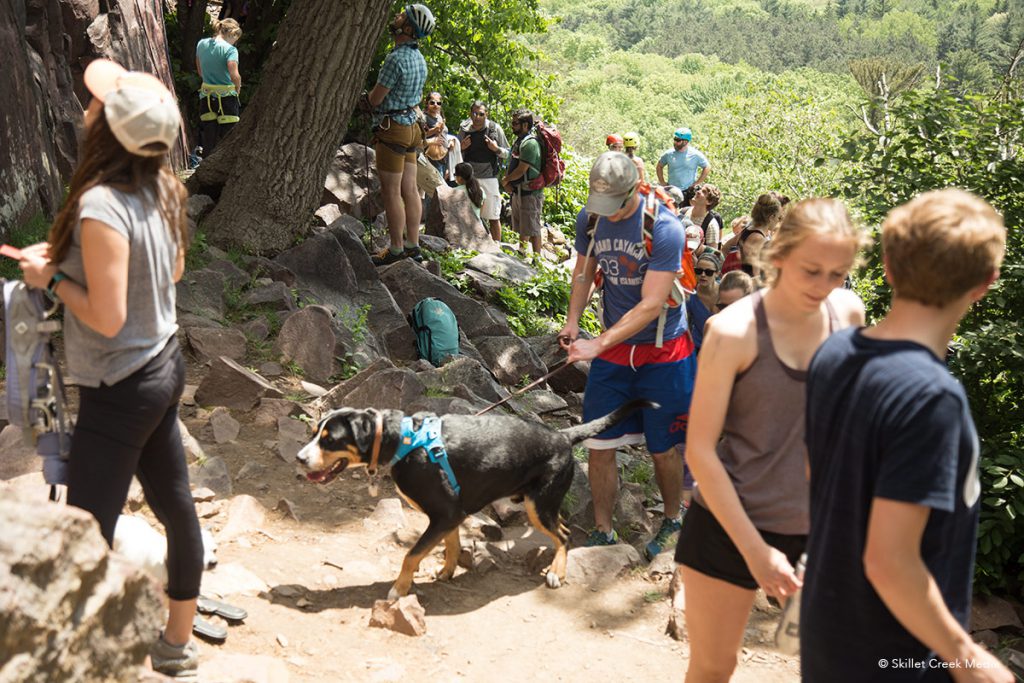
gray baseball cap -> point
(613, 178)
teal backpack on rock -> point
(437, 330)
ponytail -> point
(476, 193)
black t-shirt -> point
(885, 419)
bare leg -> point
(391, 185)
(535, 243)
(413, 205)
(668, 472)
(716, 616)
(495, 230)
(179, 621)
(604, 484)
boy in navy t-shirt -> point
(893, 457)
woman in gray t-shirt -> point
(114, 254)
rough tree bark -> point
(269, 173)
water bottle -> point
(787, 636)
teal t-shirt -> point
(214, 55)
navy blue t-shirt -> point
(885, 419)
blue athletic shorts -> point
(670, 384)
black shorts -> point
(705, 547)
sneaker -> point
(180, 663)
(387, 257)
(598, 537)
(669, 527)
(414, 253)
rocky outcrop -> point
(71, 610)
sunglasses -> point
(705, 271)
(433, 101)
(478, 113)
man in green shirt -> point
(525, 165)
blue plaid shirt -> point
(404, 72)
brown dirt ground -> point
(501, 624)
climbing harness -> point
(209, 91)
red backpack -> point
(552, 168)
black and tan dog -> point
(492, 457)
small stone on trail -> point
(404, 615)
(281, 640)
(288, 508)
(203, 494)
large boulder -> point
(510, 358)
(397, 388)
(230, 385)
(464, 372)
(306, 339)
(202, 292)
(71, 610)
(322, 266)
(352, 182)
(551, 354)
(502, 266)
(408, 283)
(452, 217)
(211, 342)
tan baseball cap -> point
(142, 113)
(613, 178)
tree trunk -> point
(191, 16)
(269, 173)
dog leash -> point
(529, 386)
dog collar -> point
(427, 437)
(378, 437)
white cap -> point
(694, 235)
(142, 113)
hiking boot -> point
(386, 257)
(669, 527)
(598, 537)
(180, 663)
(414, 253)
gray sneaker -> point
(180, 663)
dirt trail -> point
(497, 625)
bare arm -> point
(729, 347)
(582, 279)
(655, 291)
(704, 173)
(179, 265)
(236, 77)
(660, 170)
(893, 565)
(377, 94)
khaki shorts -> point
(389, 140)
(526, 212)
(491, 210)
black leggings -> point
(211, 132)
(131, 428)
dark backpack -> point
(437, 330)
(552, 167)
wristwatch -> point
(50, 288)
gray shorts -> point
(526, 212)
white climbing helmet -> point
(421, 18)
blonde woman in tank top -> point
(749, 520)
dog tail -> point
(595, 427)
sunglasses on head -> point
(705, 271)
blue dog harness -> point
(427, 437)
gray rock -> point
(187, 320)
(64, 598)
(464, 372)
(245, 515)
(307, 340)
(197, 206)
(256, 329)
(335, 398)
(16, 456)
(260, 266)
(434, 243)
(990, 612)
(271, 369)
(404, 615)
(209, 343)
(327, 214)
(389, 513)
(201, 292)
(321, 265)
(193, 451)
(352, 182)
(234, 277)
(275, 296)
(396, 388)
(451, 216)
(484, 285)
(541, 401)
(212, 474)
(510, 358)
(229, 384)
(502, 266)
(225, 428)
(408, 283)
(664, 564)
(251, 470)
(270, 410)
(518, 542)
(600, 565)
(291, 436)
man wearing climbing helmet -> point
(614, 142)
(682, 161)
(630, 143)
(397, 135)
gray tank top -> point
(762, 446)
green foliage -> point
(534, 306)
(198, 254)
(355, 320)
(939, 138)
(563, 204)
(453, 266)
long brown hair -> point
(104, 161)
